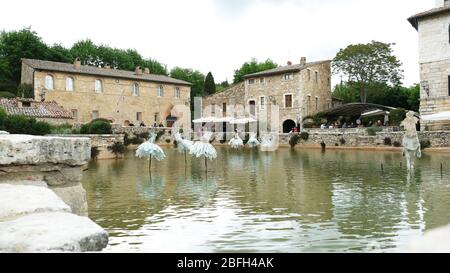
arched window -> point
(49, 82)
(160, 91)
(135, 89)
(177, 92)
(98, 86)
(69, 84)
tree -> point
(14, 46)
(366, 64)
(210, 85)
(252, 67)
(196, 78)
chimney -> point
(107, 66)
(138, 71)
(77, 63)
(289, 63)
(146, 70)
(302, 60)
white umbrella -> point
(226, 119)
(204, 120)
(437, 117)
(375, 113)
(243, 121)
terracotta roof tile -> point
(284, 69)
(36, 109)
(97, 71)
(414, 20)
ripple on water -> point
(288, 201)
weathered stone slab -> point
(434, 241)
(51, 232)
(19, 200)
(26, 149)
(74, 196)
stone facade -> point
(43, 203)
(296, 91)
(101, 142)
(354, 138)
(115, 101)
(434, 58)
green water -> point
(252, 201)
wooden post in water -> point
(382, 169)
(442, 170)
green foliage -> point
(117, 149)
(372, 131)
(159, 134)
(196, 78)
(304, 136)
(25, 43)
(387, 141)
(368, 63)
(95, 127)
(6, 94)
(397, 144)
(63, 129)
(397, 116)
(381, 93)
(18, 124)
(210, 85)
(294, 140)
(14, 46)
(94, 153)
(425, 144)
(100, 127)
(124, 59)
(252, 67)
(25, 91)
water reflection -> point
(286, 201)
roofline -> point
(24, 60)
(261, 73)
(414, 20)
(224, 90)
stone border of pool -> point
(43, 206)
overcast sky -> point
(220, 35)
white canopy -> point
(243, 121)
(373, 113)
(204, 120)
(437, 117)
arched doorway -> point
(288, 126)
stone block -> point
(51, 232)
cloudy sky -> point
(219, 35)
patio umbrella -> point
(243, 121)
(204, 120)
(437, 117)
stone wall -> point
(102, 142)
(360, 138)
(310, 95)
(43, 204)
(434, 59)
(115, 102)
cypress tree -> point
(210, 85)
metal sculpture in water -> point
(269, 142)
(183, 145)
(253, 141)
(204, 148)
(236, 142)
(411, 143)
(150, 150)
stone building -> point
(433, 27)
(122, 96)
(48, 111)
(297, 90)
